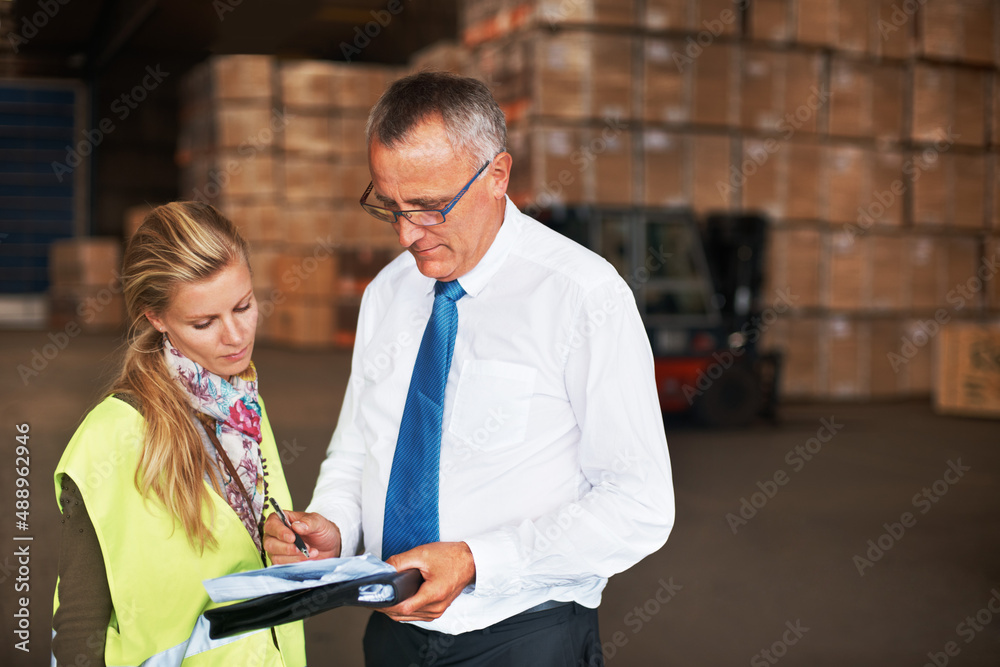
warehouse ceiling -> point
(85, 37)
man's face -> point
(426, 173)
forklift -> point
(697, 287)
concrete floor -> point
(730, 596)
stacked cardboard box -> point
(84, 285)
(859, 127)
(278, 147)
(967, 372)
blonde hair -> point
(177, 244)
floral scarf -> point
(234, 408)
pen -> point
(299, 544)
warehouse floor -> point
(793, 580)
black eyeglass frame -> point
(380, 212)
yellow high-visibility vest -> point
(154, 573)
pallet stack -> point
(84, 288)
(859, 127)
(278, 147)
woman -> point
(165, 482)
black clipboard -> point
(279, 608)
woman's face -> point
(213, 322)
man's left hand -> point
(447, 568)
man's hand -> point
(320, 535)
(447, 568)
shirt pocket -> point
(492, 403)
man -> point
(544, 470)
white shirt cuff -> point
(496, 556)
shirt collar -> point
(475, 280)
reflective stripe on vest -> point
(198, 642)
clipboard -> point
(279, 608)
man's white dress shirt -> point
(554, 466)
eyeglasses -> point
(426, 218)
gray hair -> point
(472, 118)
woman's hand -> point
(321, 536)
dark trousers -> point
(566, 636)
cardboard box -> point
(553, 13)
(309, 177)
(780, 91)
(570, 74)
(358, 267)
(317, 133)
(309, 223)
(550, 169)
(866, 100)
(799, 339)
(307, 274)
(90, 262)
(969, 191)
(885, 202)
(258, 219)
(894, 30)
(666, 82)
(950, 190)
(924, 270)
(133, 219)
(886, 379)
(237, 175)
(247, 125)
(948, 98)
(967, 369)
(243, 77)
(931, 190)
(990, 273)
(963, 288)
(308, 85)
(994, 189)
(444, 56)
(794, 258)
(262, 260)
(716, 17)
(352, 145)
(914, 356)
(715, 99)
(611, 76)
(805, 180)
(663, 168)
(347, 311)
(566, 163)
(847, 277)
(609, 175)
(995, 121)
(352, 180)
(848, 180)
(357, 86)
(303, 322)
(762, 94)
(710, 156)
(888, 257)
(771, 20)
(844, 25)
(667, 14)
(92, 308)
(761, 176)
(558, 72)
(961, 30)
(845, 353)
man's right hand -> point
(321, 536)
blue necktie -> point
(411, 502)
